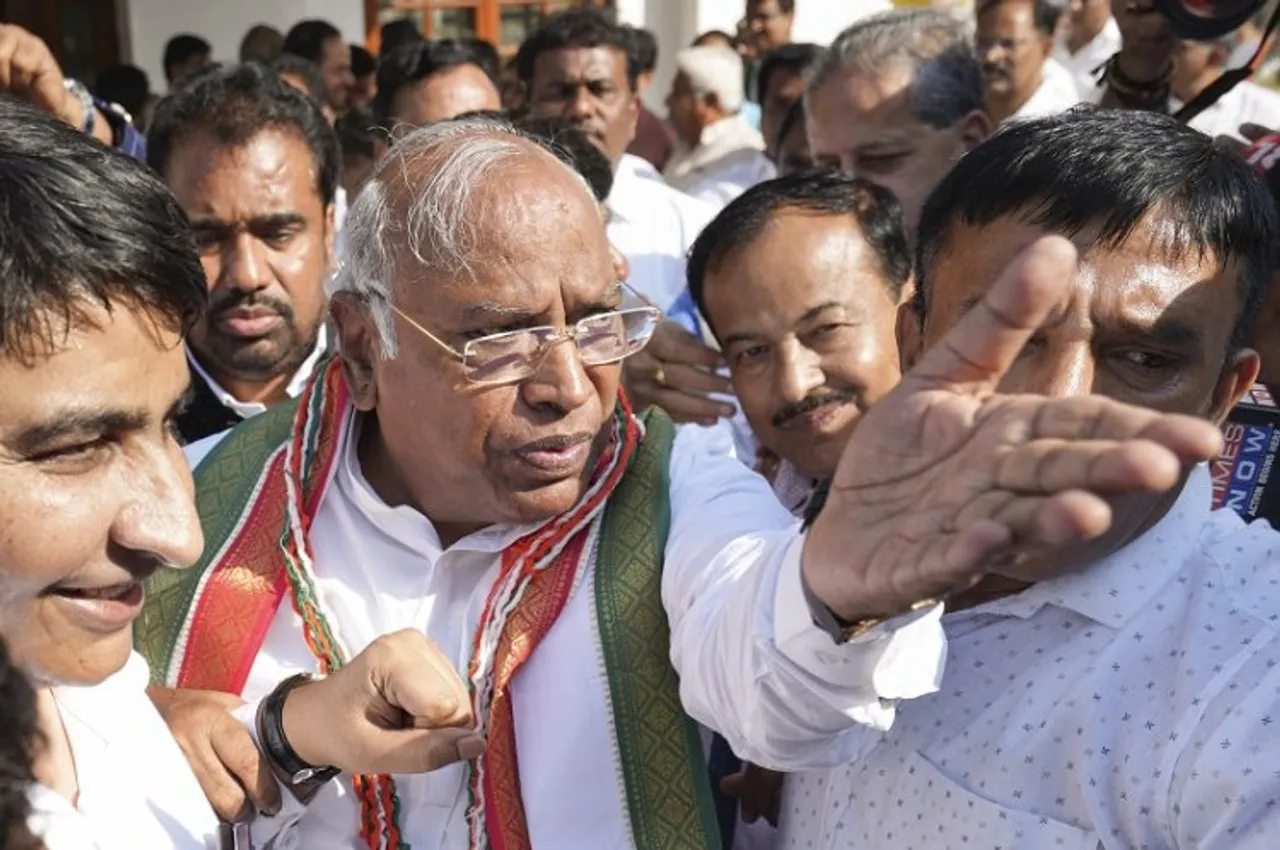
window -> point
(504, 23)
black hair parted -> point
(1110, 169)
(821, 191)
(307, 38)
(80, 222)
(580, 27)
(412, 63)
(236, 103)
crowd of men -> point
(426, 450)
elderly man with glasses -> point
(469, 468)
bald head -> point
(454, 197)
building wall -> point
(151, 23)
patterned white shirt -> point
(1133, 705)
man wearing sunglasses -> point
(469, 468)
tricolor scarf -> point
(204, 629)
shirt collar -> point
(249, 409)
(625, 203)
(1114, 589)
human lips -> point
(249, 321)
(104, 609)
(556, 456)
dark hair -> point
(412, 63)
(84, 222)
(573, 147)
(487, 57)
(288, 65)
(19, 735)
(645, 45)
(261, 44)
(1045, 13)
(236, 104)
(786, 7)
(362, 62)
(792, 58)
(307, 39)
(822, 191)
(573, 28)
(357, 132)
(126, 85)
(181, 48)
(794, 116)
(1111, 169)
(396, 34)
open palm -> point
(945, 479)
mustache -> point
(238, 298)
(812, 403)
(991, 70)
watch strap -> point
(290, 767)
(77, 89)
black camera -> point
(1205, 20)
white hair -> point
(714, 70)
(425, 200)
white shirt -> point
(1084, 62)
(136, 789)
(1247, 103)
(751, 662)
(250, 409)
(729, 160)
(1057, 93)
(654, 226)
(1135, 704)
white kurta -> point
(1247, 103)
(729, 161)
(654, 226)
(1133, 704)
(1088, 59)
(751, 663)
(136, 790)
(1057, 93)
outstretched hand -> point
(945, 479)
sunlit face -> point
(806, 323)
(468, 455)
(588, 86)
(443, 96)
(863, 124)
(1141, 324)
(266, 244)
(768, 27)
(1012, 51)
(96, 494)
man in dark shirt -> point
(255, 165)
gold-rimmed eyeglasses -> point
(514, 356)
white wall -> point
(223, 23)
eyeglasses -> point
(515, 356)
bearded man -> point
(469, 468)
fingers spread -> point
(986, 341)
(1190, 438)
(1105, 467)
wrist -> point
(294, 712)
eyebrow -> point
(282, 219)
(90, 422)
(1171, 332)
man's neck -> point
(1083, 32)
(55, 766)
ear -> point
(1237, 377)
(330, 237)
(910, 333)
(359, 347)
(973, 129)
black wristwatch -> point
(291, 768)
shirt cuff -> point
(901, 658)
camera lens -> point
(1205, 20)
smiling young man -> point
(1127, 701)
(255, 166)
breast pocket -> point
(932, 810)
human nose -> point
(560, 379)
(1063, 372)
(799, 371)
(245, 265)
(159, 516)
